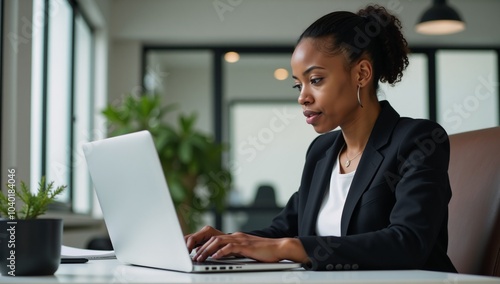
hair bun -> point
(392, 57)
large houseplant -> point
(29, 245)
(191, 160)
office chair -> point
(474, 209)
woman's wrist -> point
(292, 249)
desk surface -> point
(112, 271)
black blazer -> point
(396, 212)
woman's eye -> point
(316, 80)
(298, 87)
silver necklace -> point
(348, 162)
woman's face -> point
(327, 88)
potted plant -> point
(29, 245)
(191, 160)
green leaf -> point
(187, 122)
(33, 204)
(113, 115)
(185, 152)
(166, 109)
(177, 191)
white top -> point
(330, 213)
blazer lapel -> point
(370, 161)
(319, 183)
(368, 166)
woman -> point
(373, 195)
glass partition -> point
(183, 78)
(410, 96)
(269, 141)
(467, 89)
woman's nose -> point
(304, 97)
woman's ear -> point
(364, 72)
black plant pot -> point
(30, 247)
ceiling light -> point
(280, 74)
(440, 19)
(232, 57)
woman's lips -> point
(311, 116)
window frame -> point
(68, 205)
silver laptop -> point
(139, 212)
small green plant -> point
(34, 204)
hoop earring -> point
(359, 100)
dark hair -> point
(372, 31)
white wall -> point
(124, 70)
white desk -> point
(111, 271)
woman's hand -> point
(258, 248)
(199, 238)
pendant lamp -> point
(440, 19)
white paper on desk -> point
(71, 252)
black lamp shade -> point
(440, 19)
